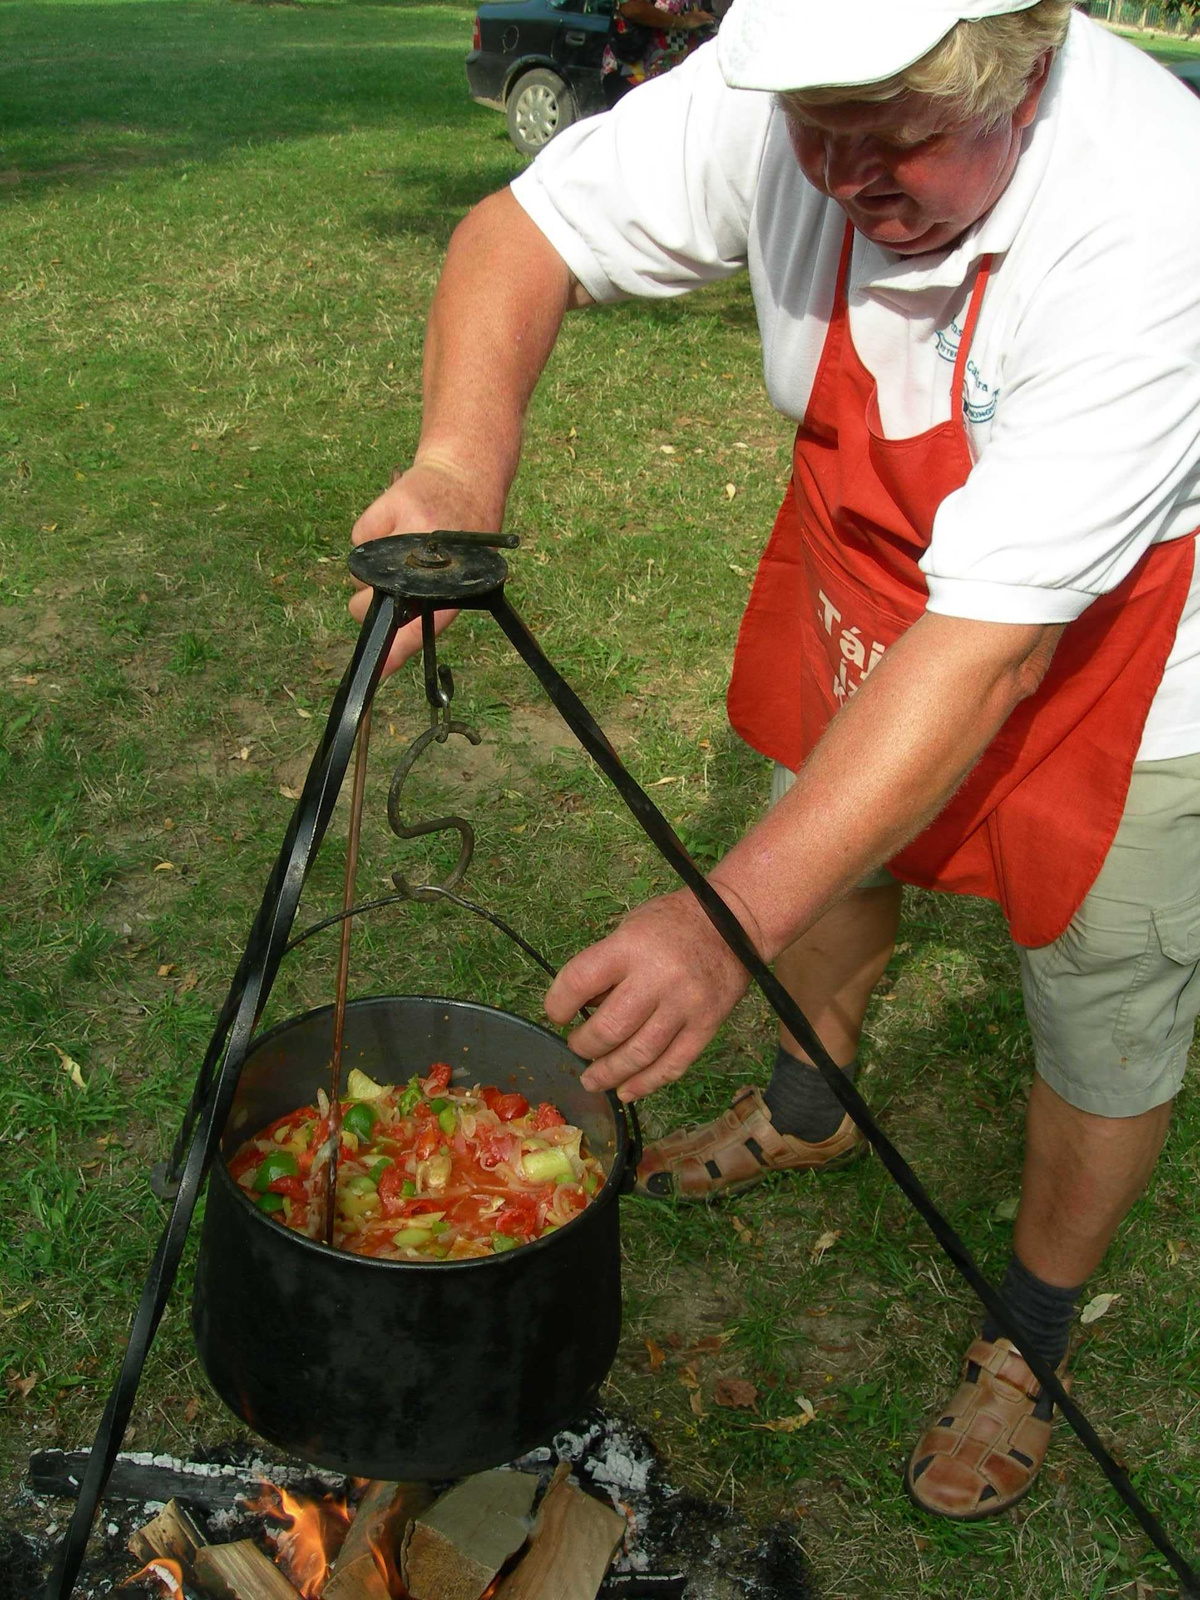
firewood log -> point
(171, 1533)
(241, 1572)
(455, 1549)
(380, 1523)
(570, 1549)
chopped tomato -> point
(437, 1079)
(391, 1184)
(518, 1217)
(247, 1157)
(292, 1186)
(546, 1116)
(427, 1141)
(495, 1146)
(506, 1106)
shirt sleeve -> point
(653, 198)
(1094, 454)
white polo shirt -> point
(1082, 400)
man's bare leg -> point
(1082, 1174)
(831, 971)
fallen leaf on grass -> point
(241, 755)
(826, 1242)
(656, 1353)
(799, 1419)
(1006, 1211)
(730, 490)
(191, 1411)
(71, 1068)
(710, 1344)
(688, 1378)
(288, 793)
(1175, 1249)
(736, 1394)
(696, 1403)
(167, 968)
(165, 866)
(188, 982)
(300, 711)
(24, 1386)
(743, 1232)
(7, 1312)
(1095, 1309)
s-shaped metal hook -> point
(439, 691)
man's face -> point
(908, 174)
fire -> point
(160, 1570)
(308, 1538)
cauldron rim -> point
(609, 1193)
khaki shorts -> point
(1112, 1004)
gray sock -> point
(1043, 1312)
(800, 1101)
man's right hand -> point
(431, 495)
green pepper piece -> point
(359, 1119)
(270, 1203)
(448, 1121)
(502, 1242)
(590, 1182)
(279, 1164)
(380, 1167)
(411, 1097)
(408, 1188)
(438, 1106)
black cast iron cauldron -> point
(396, 1369)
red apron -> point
(839, 582)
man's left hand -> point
(663, 983)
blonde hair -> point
(983, 67)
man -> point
(974, 633)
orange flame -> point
(308, 1538)
(167, 1573)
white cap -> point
(800, 44)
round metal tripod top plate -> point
(449, 568)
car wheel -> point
(539, 106)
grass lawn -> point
(220, 224)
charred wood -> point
(141, 1476)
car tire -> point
(539, 105)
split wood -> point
(455, 1549)
(241, 1572)
(383, 1514)
(172, 1533)
(571, 1548)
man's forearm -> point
(494, 319)
(886, 766)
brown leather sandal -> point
(735, 1152)
(989, 1441)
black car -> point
(539, 62)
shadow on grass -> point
(96, 91)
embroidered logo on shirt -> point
(979, 396)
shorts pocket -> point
(1178, 930)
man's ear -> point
(1027, 109)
